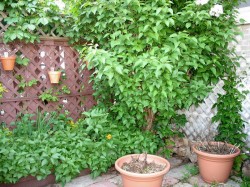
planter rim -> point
(54, 72)
(8, 57)
(122, 171)
(215, 155)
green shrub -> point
(152, 59)
(66, 151)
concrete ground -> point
(180, 175)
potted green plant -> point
(8, 62)
(215, 160)
(54, 76)
(137, 170)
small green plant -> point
(245, 182)
(2, 90)
(48, 95)
(231, 125)
(215, 184)
(238, 162)
(22, 61)
(191, 170)
(65, 89)
(24, 125)
(23, 84)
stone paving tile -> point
(103, 184)
(179, 172)
(169, 181)
(86, 180)
(180, 184)
(197, 180)
(231, 183)
(116, 180)
(175, 162)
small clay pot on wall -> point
(8, 62)
(54, 76)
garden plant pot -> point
(142, 180)
(215, 168)
(54, 76)
(8, 63)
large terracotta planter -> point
(213, 167)
(8, 63)
(142, 180)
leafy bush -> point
(27, 124)
(27, 17)
(154, 58)
(39, 151)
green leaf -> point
(119, 69)
(31, 27)
(44, 162)
(188, 25)
(169, 67)
(44, 21)
(2, 6)
(214, 71)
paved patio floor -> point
(180, 175)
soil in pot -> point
(219, 148)
(136, 165)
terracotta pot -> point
(142, 180)
(54, 76)
(8, 63)
(213, 167)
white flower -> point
(60, 4)
(201, 2)
(216, 10)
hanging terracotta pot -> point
(8, 63)
(131, 179)
(54, 76)
(215, 168)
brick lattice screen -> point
(48, 53)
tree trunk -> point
(150, 116)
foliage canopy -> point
(155, 58)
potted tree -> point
(137, 170)
(215, 160)
(8, 62)
(54, 76)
